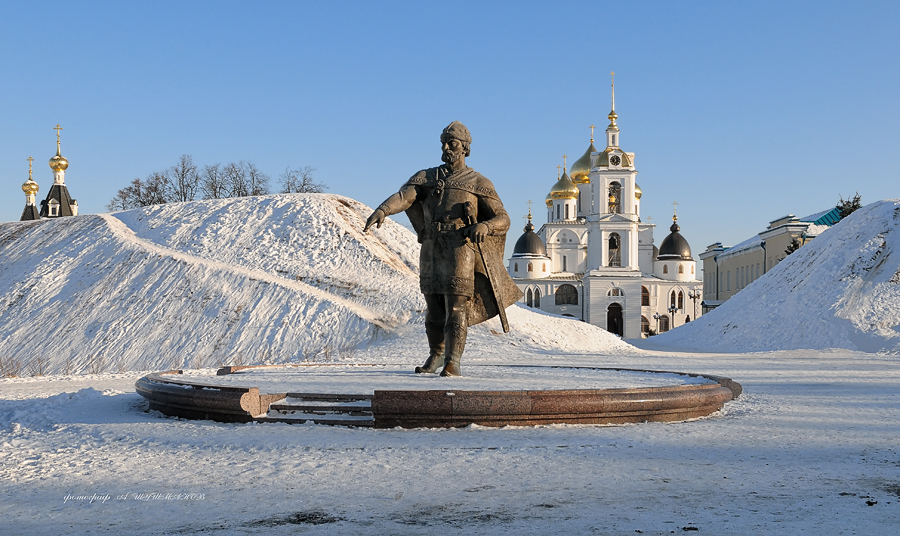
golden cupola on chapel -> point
(31, 189)
(58, 162)
(564, 188)
(581, 170)
(563, 197)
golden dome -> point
(637, 191)
(549, 200)
(58, 162)
(564, 188)
(30, 187)
(581, 169)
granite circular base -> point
(177, 394)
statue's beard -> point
(451, 157)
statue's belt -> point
(442, 227)
(436, 227)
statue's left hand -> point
(478, 233)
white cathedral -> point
(595, 260)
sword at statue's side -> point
(470, 216)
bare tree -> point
(120, 201)
(139, 194)
(245, 179)
(256, 180)
(156, 189)
(236, 179)
(212, 183)
(300, 180)
(183, 180)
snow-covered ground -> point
(811, 447)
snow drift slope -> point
(842, 290)
(249, 280)
(239, 280)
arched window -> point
(692, 269)
(615, 291)
(665, 268)
(516, 267)
(645, 296)
(528, 298)
(615, 251)
(672, 299)
(566, 295)
(664, 323)
(567, 211)
(680, 268)
(680, 300)
(645, 326)
(537, 298)
(615, 196)
(557, 212)
(543, 266)
(530, 267)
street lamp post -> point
(695, 294)
(657, 316)
(672, 310)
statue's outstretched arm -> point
(398, 202)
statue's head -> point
(455, 142)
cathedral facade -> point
(595, 259)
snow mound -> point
(531, 328)
(252, 280)
(842, 290)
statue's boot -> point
(435, 334)
(455, 339)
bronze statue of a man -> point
(462, 226)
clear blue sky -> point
(742, 112)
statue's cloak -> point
(483, 305)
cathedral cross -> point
(675, 211)
(613, 85)
(592, 133)
(557, 171)
(57, 128)
(565, 166)
(30, 160)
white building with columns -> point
(595, 258)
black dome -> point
(674, 246)
(530, 243)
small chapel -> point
(595, 258)
(58, 202)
